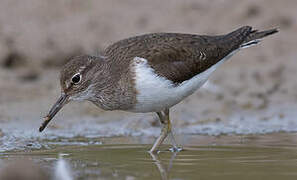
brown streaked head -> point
(75, 79)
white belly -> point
(156, 93)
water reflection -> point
(62, 169)
(164, 171)
(257, 155)
(23, 169)
(26, 169)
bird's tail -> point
(255, 36)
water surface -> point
(272, 156)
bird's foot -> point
(175, 149)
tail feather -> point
(255, 36)
(244, 37)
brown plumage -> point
(179, 57)
(149, 73)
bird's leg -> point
(171, 136)
(164, 132)
(165, 120)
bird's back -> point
(164, 68)
(178, 57)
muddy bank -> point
(252, 93)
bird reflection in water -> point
(62, 169)
(163, 169)
(27, 169)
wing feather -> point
(177, 57)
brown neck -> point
(111, 85)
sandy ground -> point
(38, 37)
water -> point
(272, 156)
(83, 142)
(21, 134)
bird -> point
(150, 72)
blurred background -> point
(249, 101)
(252, 93)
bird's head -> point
(76, 82)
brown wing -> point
(178, 57)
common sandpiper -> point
(149, 73)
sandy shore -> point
(254, 92)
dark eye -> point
(76, 78)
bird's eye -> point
(76, 78)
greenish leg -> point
(166, 130)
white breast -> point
(155, 93)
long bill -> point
(54, 110)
